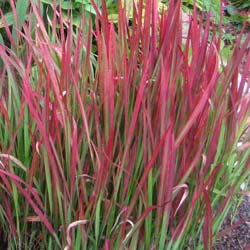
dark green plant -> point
(73, 7)
(241, 4)
(234, 15)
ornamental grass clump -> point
(134, 147)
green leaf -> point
(97, 220)
(47, 1)
(89, 8)
(228, 36)
(66, 5)
(245, 5)
(9, 18)
(1, 39)
(21, 9)
(231, 10)
(83, 1)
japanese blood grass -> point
(136, 149)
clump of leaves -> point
(74, 7)
(134, 149)
(235, 15)
(241, 4)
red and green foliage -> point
(132, 148)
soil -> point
(235, 230)
(3, 241)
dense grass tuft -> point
(135, 148)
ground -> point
(235, 231)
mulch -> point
(3, 241)
(235, 231)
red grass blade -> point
(16, 180)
